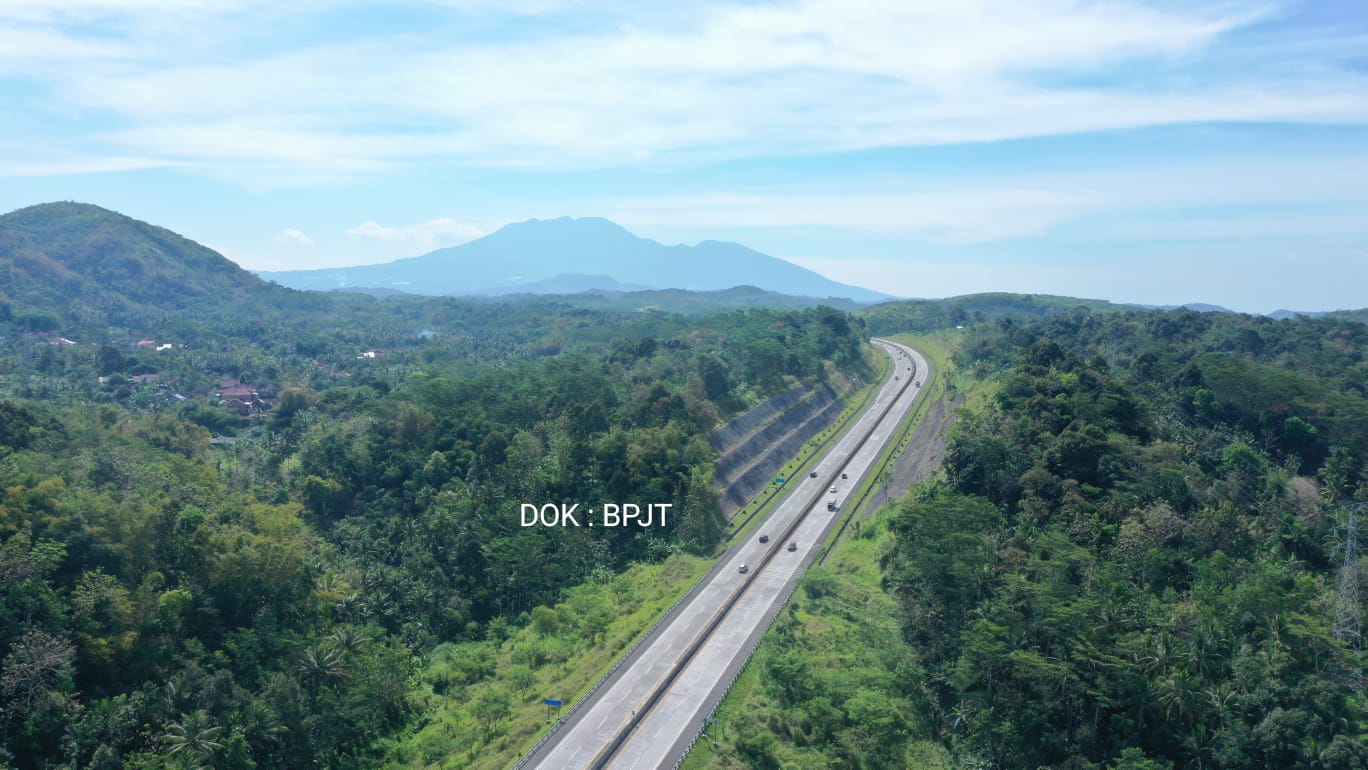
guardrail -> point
(891, 458)
(601, 759)
(716, 619)
(773, 615)
(622, 659)
(774, 491)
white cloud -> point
(445, 231)
(73, 166)
(293, 237)
(723, 80)
(1305, 198)
(960, 217)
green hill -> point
(87, 264)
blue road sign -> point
(552, 702)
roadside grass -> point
(933, 387)
(482, 701)
(747, 518)
(939, 347)
(833, 684)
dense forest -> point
(284, 530)
(1134, 556)
(183, 584)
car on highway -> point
(764, 538)
(812, 475)
(744, 569)
(844, 476)
(793, 545)
(833, 489)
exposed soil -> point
(921, 457)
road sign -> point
(552, 702)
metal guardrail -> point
(835, 435)
(773, 614)
(526, 759)
(892, 458)
(622, 659)
(641, 713)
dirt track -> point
(922, 456)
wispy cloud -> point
(959, 217)
(728, 80)
(1295, 198)
(74, 165)
(445, 231)
(293, 237)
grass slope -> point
(826, 687)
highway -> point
(647, 713)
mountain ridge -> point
(529, 257)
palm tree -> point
(322, 664)
(196, 737)
(348, 639)
(259, 724)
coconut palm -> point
(195, 738)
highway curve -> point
(646, 714)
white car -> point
(833, 489)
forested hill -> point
(1133, 560)
(88, 264)
(269, 599)
(928, 314)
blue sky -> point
(1157, 152)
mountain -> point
(89, 264)
(566, 283)
(1197, 307)
(1282, 314)
(684, 302)
(544, 256)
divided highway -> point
(648, 712)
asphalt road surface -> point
(647, 713)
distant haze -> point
(565, 255)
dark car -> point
(812, 475)
(764, 538)
(793, 546)
(844, 476)
(744, 569)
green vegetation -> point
(1131, 562)
(284, 530)
(312, 588)
(924, 316)
(827, 686)
(72, 263)
(481, 701)
(1133, 558)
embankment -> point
(755, 445)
